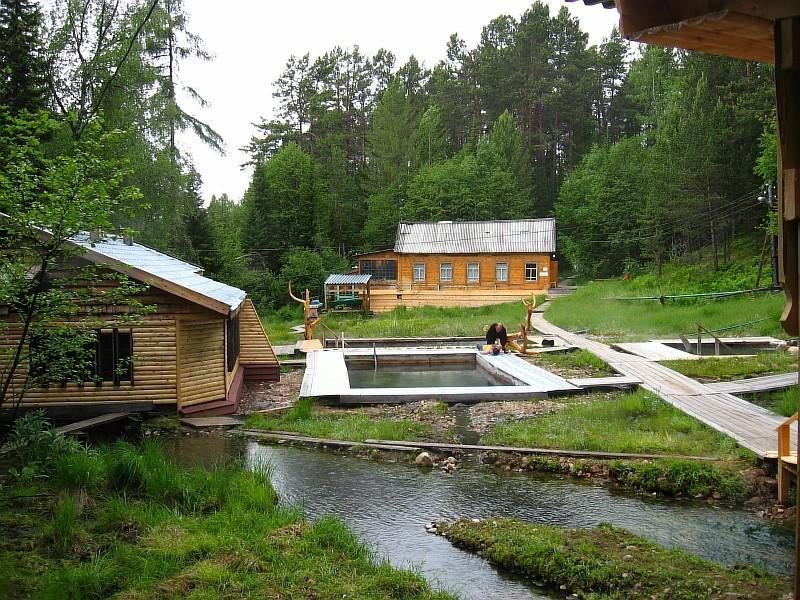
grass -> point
(146, 529)
(637, 422)
(608, 563)
(309, 420)
(782, 402)
(580, 363)
(731, 368)
(426, 321)
(597, 307)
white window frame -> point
(419, 272)
(531, 266)
(501, 272)
(473, 272)
(446, 272)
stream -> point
(388, 505)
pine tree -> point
(23, 69)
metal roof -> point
(156, 268)
(347, 279)
(477, 237)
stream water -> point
(389, 504)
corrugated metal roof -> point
(477, 237)
(347, 279)
(161, 267)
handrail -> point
(784, 442)
(717, 341)
(334, 334)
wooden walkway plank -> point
(93, 422)
(752, 426)
(767, 383)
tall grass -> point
(63, 528)
(153, 530)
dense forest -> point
(641, 153)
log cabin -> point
(463, 263)
(191, 353)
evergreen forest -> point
(641, 153)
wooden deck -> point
(751, 426)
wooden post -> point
(787, 93)
(308, 323)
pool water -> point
(433, 375)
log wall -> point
(386, 295)
(156, 352)
(202, 375)
(255, 347)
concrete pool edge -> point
(326, 378)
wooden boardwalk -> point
(751, 426)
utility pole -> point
(774, 242)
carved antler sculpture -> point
(308, 323)
(524, 329)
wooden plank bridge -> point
(752, 427)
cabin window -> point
(446, 272)
(232, 338)
(114, 351)
(381, 270)
(501, 271)
(419, 271)
(473, 272)
(530, 271)
(81, 356)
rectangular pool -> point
(379, 376)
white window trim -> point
(446, 267)
(417, 270)
(535, 269)
(497, 277)
(476, 267)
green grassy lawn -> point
(308, 420)
(637, 423)
(597, 307)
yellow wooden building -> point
(191, 354)
(463, 263)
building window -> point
(530, 272)
(446, 272)
(232, 327)
(501, 271)
(419, 271)
(114, 356)
(80, 356)
(379, 269)
(473, 272)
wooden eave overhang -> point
(737, 28)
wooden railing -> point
(787, 460)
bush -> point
(33, 446)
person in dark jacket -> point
(497, 332)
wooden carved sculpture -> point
(308, 322)
(524, 329)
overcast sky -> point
(251, 40)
